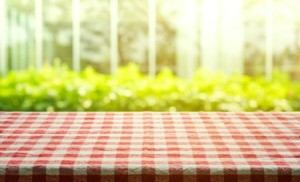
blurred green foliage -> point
(58, 88)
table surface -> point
(149, 146)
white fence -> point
(22, 39)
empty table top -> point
(147, 146)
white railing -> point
(210, 39)
(152, 36)
(76, 34)
(269, 38)
(114, 54)
(39, 33)
(3, 39)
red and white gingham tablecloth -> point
(150, 147)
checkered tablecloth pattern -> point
(150, 147)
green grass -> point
(60, 89)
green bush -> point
(60, 89)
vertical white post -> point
(186, 54)
(13, 39)
(152, 37)
(191, 36)
(39, 33)
(3, 41)
(22, 41)
(210, 34)
(31, 38)
(269, 39)
(181, 60)
(231, 33)
(18, 41)
(114, 36)
(76, 35)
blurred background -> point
(256, 36)
(248, 37)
